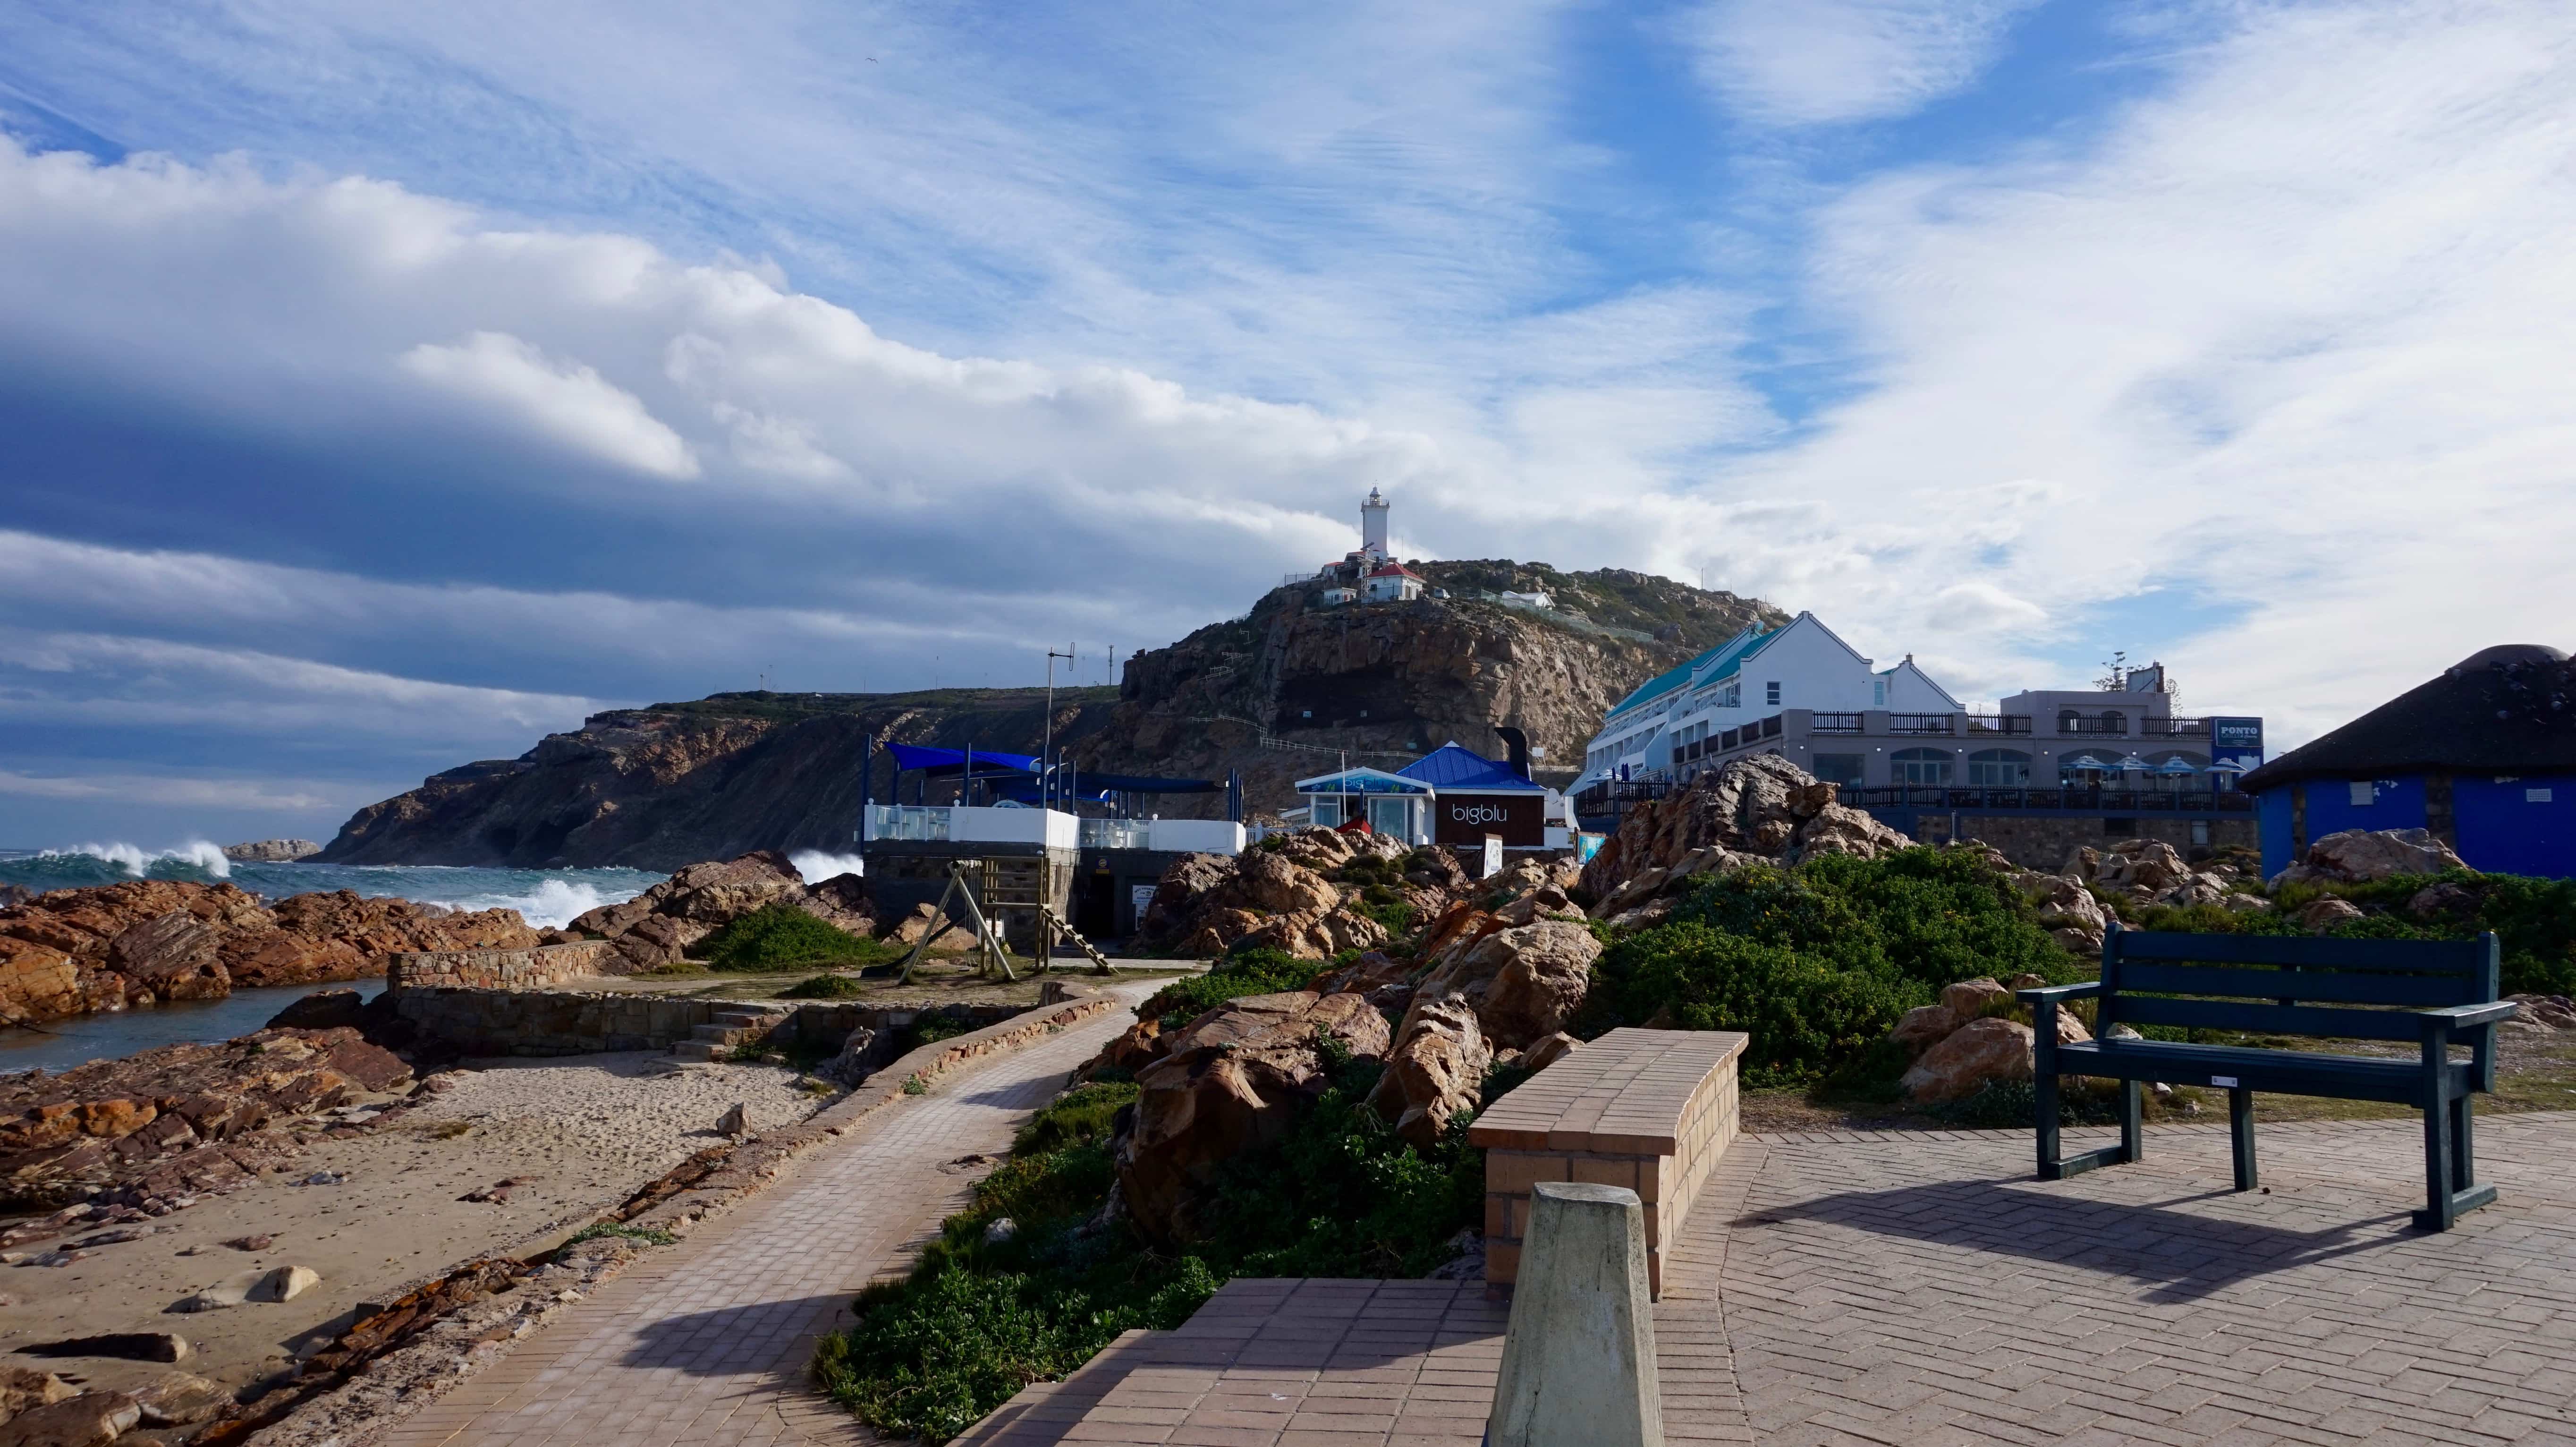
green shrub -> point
(1816, 963)
(1262, 970)
(825, 987)
(929, 1028)
(779, 937)
(2534, 920)
(980, 1317)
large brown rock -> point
(1544, 972)
(2355, 855)
(1758, 807)
(1186, 890)
(92, 1419)
(23, 1388)
(1232, 1082)
(172, 957)
(1968, 1057)
(2147, 868)
(1435, 1071)
(2321, 915)
(1275, 883)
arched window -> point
(2114, 721)
(1999, 768)
(1920, 766)
(2069, 721)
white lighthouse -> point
(1373, 526)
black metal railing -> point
(1998, 723)
(2175, 728)
(1836, 723)
(2115, 724)
(1920, 723)
(2091, 801)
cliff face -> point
(1295, 687)
(662, 787)
(1283, 693)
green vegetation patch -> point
(987, 1312)
(776, 938)
(826, 987)
(1818, 962)
(1262, 970)
(2534, 919)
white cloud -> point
(179, 791)
(1809, 62)
(567, 402)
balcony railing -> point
(1998, 723)
(2115, 724)
(2175, 728)
(1919, 723)
(1835, 723)
(910, 822)
(1115, 833)
(2091, 801)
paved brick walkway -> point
(1920, 1289)
(709, 1340)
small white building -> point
(1539, 602)
(1336, 596)
(1393, 583)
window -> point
(1388, 816)
(1771, 693)
(2200, 833)
(2120, 827)
(1999, 768)
(2114, 721)
(2364, 792)
(1920, 766)
(2070, 722)
(1878, 692)
(1839, 768)
(1327, 811)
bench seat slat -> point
(2333, 986)
(2256, 1018)
(2461, 957)
(2289, 1072)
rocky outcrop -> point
(1277, 894)
(167, 1115)
(1435, 1071)
(1969, 1038)
(2356, 855)
(1760, 809)
(656, 929)
(151, 941)
(272, 851)
(1231, 1081)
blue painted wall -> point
(2502, 828)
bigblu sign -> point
(1467, 818)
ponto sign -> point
(1479, 813)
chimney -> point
(1517, 743)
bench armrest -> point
(2469, 1017)
(2052, 994)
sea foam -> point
(818, 866)
(195, 854)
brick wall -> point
(1651, 1110)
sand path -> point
(709, 1340)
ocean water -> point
(541, 896)
(544, 897)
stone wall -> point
(499, 969)
(585, 1022)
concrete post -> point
(1579, 1356)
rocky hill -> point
(1295, 685)
(1280, 693)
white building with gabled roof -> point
(1801, 664)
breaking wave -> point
(818, 866)
(195, 858)
(552, 904)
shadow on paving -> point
(772, 1337)
(2185, 1254)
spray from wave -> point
(553, 904)
(197, 856)
(818, 866)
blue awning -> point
(953, 761)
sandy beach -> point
(575, 1135)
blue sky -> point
(386, 386)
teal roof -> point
(1715, 663)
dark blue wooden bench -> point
(2435, 993)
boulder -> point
(1545, 901)
(22, 1388)
(2146, 867)
(843, 902)
(1923, 1027)
(179, 1399)
(1185, 891)
(1841, 829)
(1968, 1000)
(1968, 1057)
(2321, 915)
(2446, 898)
(1542, 973)
(1435, 1071)
(172, 956)
(322, 1010)
(1233, 1081)
(2240, 902)
(1758, 807)
(1275, 883)
(657, 942)
(2355, 855)
(92, 1419)
(1547, 1050)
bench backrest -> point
(2290, 984)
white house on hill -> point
(1757, 673)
